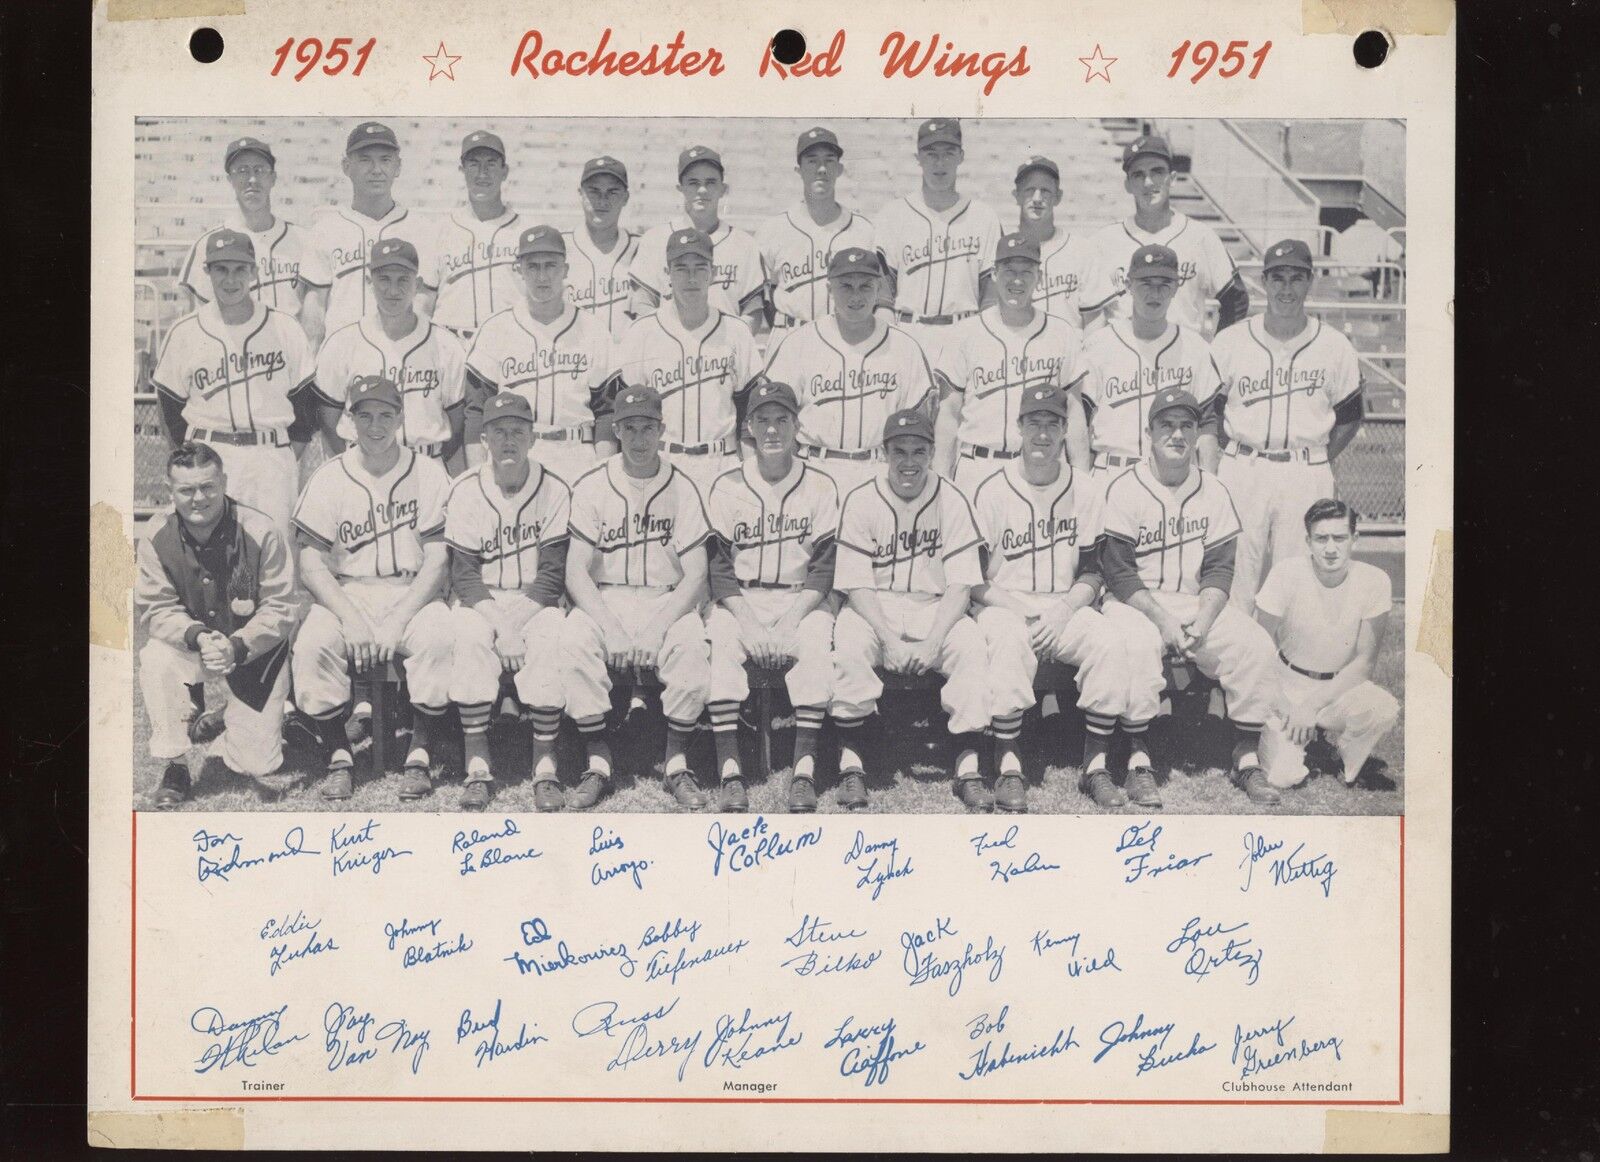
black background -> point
(1526, 890)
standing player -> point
(399, 344)
(636, 576)
(477, 243)
(1041, 580)
(992, 359)
(700, 360)
(372, 555)
(1170, 536)
(1290, 403)
(1327, 614)
(798, 244)
(1206, 270)
(342, 237)
(937, 244)
(1127, 363)
(506, 525)
(232, 375)
(252, 171)
(907, 564)
(1062, 253)
(850, 371)
(600, 252)
(738, 281)
(775, 520)
(549, 352)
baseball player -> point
(551, 353)
(600, 253)
(699, 359)
(477, 243)
(937, 244)
(1041, 581)
(907, 563)
(506, 525)
(252, 171)
(798, 244)
(1327, 614)
(1127, 363)
(233, 375)
(399, 343)
(342, 237)
(372, 555)
(1205, 269)
(992, 359)
(215, 595)
(636, 576)
(738, 281)
(1290, 403)
(1063, 253)
(774, 521)
(1170, 536)
(850, 371)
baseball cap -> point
(812, 138)
(1016, 246)
(1289, 252)
(854, 261)
(246, 145)
(229, 246)
(507, 405)
(394, 252)
(689, 241)
(600, 165)
(636, 401)
(1150, 145)
(772, 392)
(370, 133)
(1154, 259)
(698, 153)
(1039, 162)
(1171, 399)
(373, 389)
(937, 130)
(1043, 399)
(482, 139)
(541, 240)
(909, 422)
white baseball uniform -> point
(1169, 531)
(796, 252)
(909, 552)
(598, 282)
(1317, 632)
(495, 543)
(938, 258)
(474, 269)
(559, 368)
(1278, 410)
(340, 244)
(738, 280)
(991, 364)
(639, 530)
(1062, 259)
(373, 529)
(235, 383)
(279, 251)
(428, 365)
(1204, 268)
(782, 539)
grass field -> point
(1190, 754)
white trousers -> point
(568, 459)
(846, 474)
(1272, 498)
(963, 660)
(252, 740)
(1353, 722)
(704, 469)
(809, 679)
(971, 472)
(265, 478)
(1091, 643)
(1237, 653)
(321, 665)
(475, 667)
(683, 664)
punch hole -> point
(205, 45)
(1372, 48)
(788, 47)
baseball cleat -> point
(589, 791)
(686, 791)
(206, 726)
(802, 795)
(1253, 782)
(1142, 787)
(475, 795)
(1011, 794)
(548, 796)
(852, 792)
(339, 784)
(732, 796)
(1100, 787)
(174, 788)
(974, 796)
(415, 781)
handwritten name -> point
(1286, 869)
(221, 866)
(883, 863)
(1138, 841)
(869, 1050)
(746, 848)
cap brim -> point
(362, 145)
(1297, 265)
(1166, 157)
(1176, 407)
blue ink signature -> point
(1121, 1033)
(811, 931)
(671, 930)
(738, 1041)
(921, 965)
(1286, 869)
(341, 843)
(207, 868)
(604, 841)
(986, 1061)
(239, 1042)
(1076, 965)
(884, 850)
(466, 840)
(1200, 961)
(1033, 863)
(865, 1059)
(1141, 846)
(490, 1049)
(813, 963)
(639, 1043)
(280, 955)
(564, 958)
(275, 929)
(982, 843)
(634, 869)
(661, 964)
(744, 849)
(346, 1032)
(1252, 1060)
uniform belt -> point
(403, 575)
(1319, 675)
(635, 588)
(980, 452)
(1112, 460)
(708, 448)
(433, 450)
(273, 437)
(770, 585)
(583, 433)
(1281, 456)
(809, 451)
(933, 320)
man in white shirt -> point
(476, 251)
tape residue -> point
(217, 1129)
(1377, 1132)
(110, 577)
(171, 9)
(1396, 17)
(1436, 637)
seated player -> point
(1327, 614)
(1040, 524)
(1170, 534)
(774, 520)
(636, 577)
(372, 555)
(908, 559)
(506, 525)
(215, 594)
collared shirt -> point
(1284, 395)
(640, 528)
(775, 530)
(921, 545)
(341, 242)
(992, 363)
(797, 251)
(280, 248)
(558, 367)
(374, 526)
(938, 256)
(428, 364)
(847, 390)
(234, 378)
(598, 282)
(1170, 529)
(698, 371)
(1035, 535)
(738, 279)
(1204, 268)
(1122, 373)
(474, 268)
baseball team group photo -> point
(758, 464)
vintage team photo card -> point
(863, 579)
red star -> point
(1097, 65)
